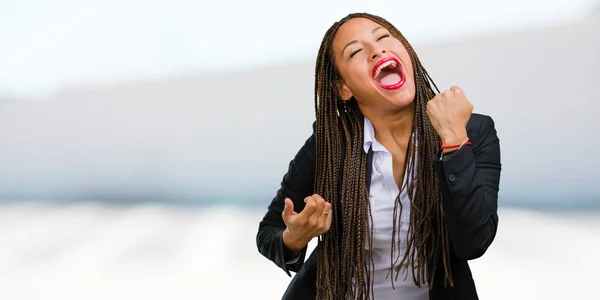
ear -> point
(343, 90)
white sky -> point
(48, 44)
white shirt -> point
(382, 196)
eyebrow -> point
(355, 41)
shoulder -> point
(308, 150)
(480, 123)
(481, 127)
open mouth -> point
(388, 73)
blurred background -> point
(129, 166)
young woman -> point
(398, 183)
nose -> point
(377, 53)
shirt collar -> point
(369, 135)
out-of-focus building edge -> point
(165, 137)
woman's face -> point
(375, 67)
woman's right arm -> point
(297, 184)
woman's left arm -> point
(469, 179)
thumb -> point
(288, 209)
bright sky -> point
(48, 44)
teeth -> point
(383, 66)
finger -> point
(455, 89)
(325, 215)
(430, 104)
(320, 204)
(316, 215)
(310, 207)
(291, 204)
(288, 209)
(430, 107)
(328, 221)
(322, 210)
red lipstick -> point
(399, 69)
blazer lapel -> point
(369, 167)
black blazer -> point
(469, 181)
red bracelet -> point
(455, 146)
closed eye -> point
(354, 52)
(383, 36)
(358, 50)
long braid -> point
(343, 271)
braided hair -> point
(344, 271)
